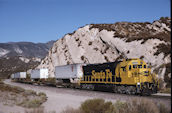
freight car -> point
(130, 76)
(38, 74)
(19, 76)
(69, 75)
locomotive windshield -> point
(134, 66)
(137, 66)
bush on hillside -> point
(134, 106)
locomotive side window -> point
(129, 67)
(144, 66)
(123, 68)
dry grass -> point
(34, 103)
(165, 90)
(8, 88)
(33, 99)
(18, 96)
(51, 80)
(71, 110)
(135, 31)
(90, 43)
(38, 110)
(163, 48)
(142, 106)
(106, 58)
(1, 81)
(82, 57)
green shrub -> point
(30, 92)
(18, 89)
(95, 106)
(41, 94)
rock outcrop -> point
(98, 43)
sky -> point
(45, 20)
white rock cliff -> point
(98, 43)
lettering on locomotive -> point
(102, 74)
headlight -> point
(138, 83)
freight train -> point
(130, 76)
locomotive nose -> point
(146, 73)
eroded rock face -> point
(98, 43)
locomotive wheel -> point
(128, 91)
(115, 89)
(145, 91)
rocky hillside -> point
(21, 56)
(24, 49)
(98, 43)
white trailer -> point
(12, 76)
(39, 73)
(69, 73)
(18, 75)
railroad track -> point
(158, 95)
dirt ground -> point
(61, 98)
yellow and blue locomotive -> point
(131, 76)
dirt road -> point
(60, 98)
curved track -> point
(60, 98)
